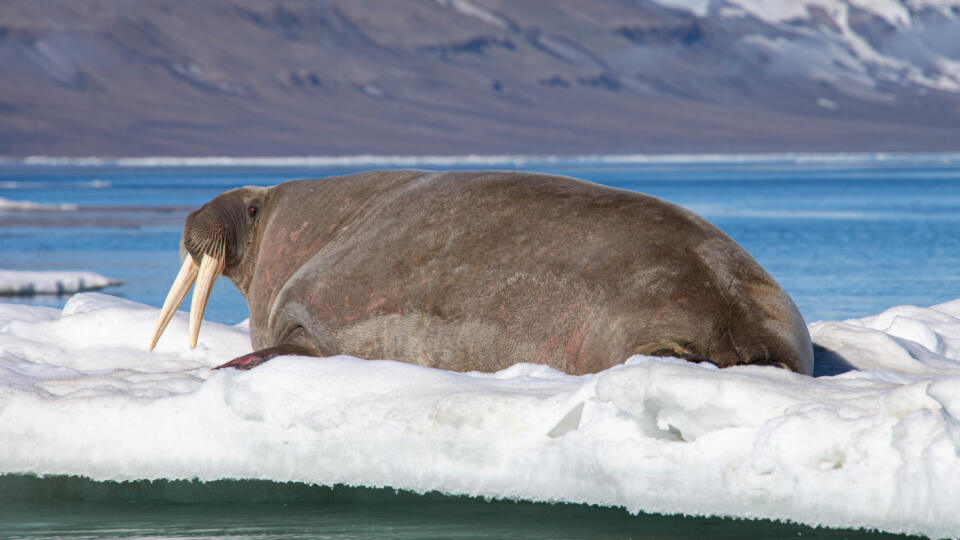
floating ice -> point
(29, 283)
(11, 205)
(873, 444)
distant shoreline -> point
(481, 159)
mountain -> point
(258, 77)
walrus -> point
(477, 271)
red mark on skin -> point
(377, 303)
(294, 235)
(350, 317)
(545, 353)
(575, 344)
(312, 298)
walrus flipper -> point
(254, 359)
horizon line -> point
(478, 159)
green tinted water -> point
(71, 507)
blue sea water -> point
(846, 236)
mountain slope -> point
(246, 77)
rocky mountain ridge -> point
(334, 77)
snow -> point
(8, 205)
(944, 6)
(872, 442)
(700, 8)
(15, 184)
(469, 9)
(828, 104)
(777, 10)
(818, 37)
(28, 283)
(894, 12)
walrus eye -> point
(252, 211)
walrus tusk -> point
(209, 270)
(178, 291)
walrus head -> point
(215, 238)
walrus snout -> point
(206, 237)
(212, 243)
(214, 229)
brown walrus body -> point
(481, 270)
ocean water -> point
(78, 508)
(847, 236)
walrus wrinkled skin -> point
(481, 270)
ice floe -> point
(871, 442)
(9, 205)
(29, 283)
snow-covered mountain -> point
(859, 46)
(281, 77)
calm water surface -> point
(846, 238)
(78, 508)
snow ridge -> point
(873, 442)
(861, 42)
